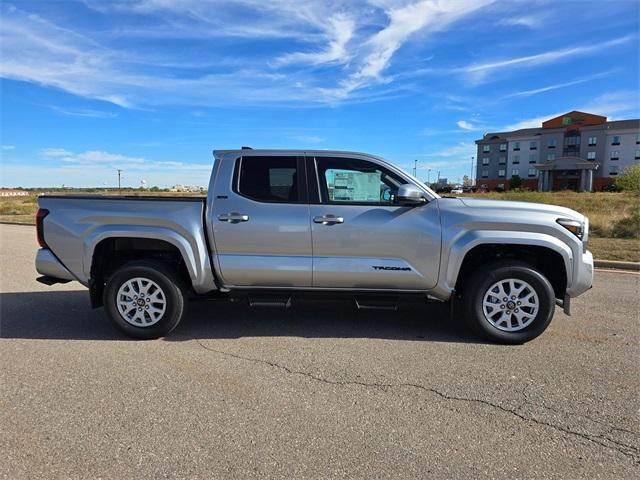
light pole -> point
(119, 173)
(428, 175)
(471, 177)
(415, 168)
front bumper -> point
(48, 265)
(582, 275)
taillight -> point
(42, 212)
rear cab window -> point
(269, 179)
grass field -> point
(614, 217)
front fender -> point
(452, 259)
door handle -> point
(328, 219)
(233, 217)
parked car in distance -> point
(457, 190)
(280, 224)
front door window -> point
(356, 182)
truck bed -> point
(76, 224)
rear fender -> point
(193, 252)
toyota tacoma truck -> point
(280, 224)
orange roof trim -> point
(574, 119)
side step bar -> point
(269, 301)
(376, 303)
(45, 279)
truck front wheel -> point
(508, 302)
(144, 300)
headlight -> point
(574, 226)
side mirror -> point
(409, 195)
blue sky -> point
(152, 86)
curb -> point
(614, 264)
(7, 222)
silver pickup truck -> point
(279, 224)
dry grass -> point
(625, 249)
(605, 210)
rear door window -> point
(269, 179)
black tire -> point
(484, 278)
(171, 293)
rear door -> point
(361, 240)
(260, 221)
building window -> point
(615, 155)
(502, 160)
(486, 148)
(533, 145)
(637, 154)
(638, 139)
(551, 157)
(515, 171)
(516, 146)
(593, 141)
(532, 172)
(485, 173)
(591, 155)
(516, 159)
(552, 143)
(485, 160)
(503, 147)
(533, 158)
(613, 170)
(615, 140)
(501, 172)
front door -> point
(361, 240)
(261, 222)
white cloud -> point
(55, 152)
(8, 147)
(530, 21)
(614, 103)
(478, 72)
(308, 138)
(535, 91)
(405, 20)
(463, 124)
(339, 30)
(90, 157)
(535, 122)
(462, 149)
(84, 112)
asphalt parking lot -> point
(317, 391)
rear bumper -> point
(582, 275)
(48, 265)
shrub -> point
(515, 182)
(629, 180)
(628, 227)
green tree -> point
(515, 182)
(629, 180)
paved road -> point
(319, 391)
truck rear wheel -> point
(144, 300)
(508, 302)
